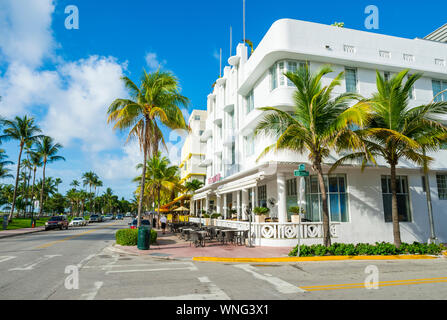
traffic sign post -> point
(301, 172)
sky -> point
(67, 78)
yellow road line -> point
(380, 284)
(47, 245)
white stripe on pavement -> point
(6, 258)
(279, 284)
(30, 266)
(91, 295)
(215, 293)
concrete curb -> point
(313, 259)
(19, 234)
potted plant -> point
(233, 214)
(260, 214)
(296, 216)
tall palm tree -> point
(317, 120)
(97, 183)
(75, 184)
(48, 150)
(4, 172)
(36, 161)
(88, 179)
(58, 181)
(397, 131)
(158, 99)
(24, 131)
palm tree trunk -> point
(143, 175)
(158, 215)
(394, 210)
(16, 185)
(42, 190)
(326, 227)
(32, 193)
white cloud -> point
(78, 109)
(153, 62)
(26, 35)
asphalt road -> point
(46, 265)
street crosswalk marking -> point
(30, 266)
(279, 284)
(6, 258)
(188, 266)
(215, 293)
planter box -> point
(260, 218)
(207, 221)
(296, 218)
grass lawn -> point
(20, 223)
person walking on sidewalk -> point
(163, 223)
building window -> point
(440, 62)
(196, 117)
(250, 102)
(278, 70)
(424, 185)
(351, 80)
(262, 196)
(403, 200)
(408, 57)
(385, 54)
(233, 153)
(291, 187)
(441, 180)
(387, 76)
(438, 87)
(348, 49)
(200, 132)
(337, 198)
(249, 145)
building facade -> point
(193, 150)
(359, 202)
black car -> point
(57, 222)
(134, 223)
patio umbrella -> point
(181, 209)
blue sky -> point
(67, 78)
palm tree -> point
(96, 184)
(88, 179)
(193, 185)
(58, 181)
(397, 131)
(48, 150)
(158, 99)
(36, 161)
(4, 172)
(317, 120)
(74, 184)
(24, 131)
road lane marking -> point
(91, 295)
(152, 270)
(108, 266)
(30, 266)
(6, 258)
(279, 284)
(47, 245)
(215, 293)
(380, 283)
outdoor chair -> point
(241, 237)
(230, 237)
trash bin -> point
(144, 238)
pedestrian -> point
(163, 223)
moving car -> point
(57, 222)
(95, 218)
(134, 223)
(78, 221)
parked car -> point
(134, 223)
(128, 215)
(95, 218)
(78, 221)
(119, 217)
(57, 222)
(108, 217)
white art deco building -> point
(359, 202)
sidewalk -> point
(19, 232)
(169, 246)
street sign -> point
(299, 173)
(302, 167)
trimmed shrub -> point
(382, 248)
(129, 237)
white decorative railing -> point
(275, 230)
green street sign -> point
(302, 167)
(299, 173)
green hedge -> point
(129, 237)
(379, 249)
